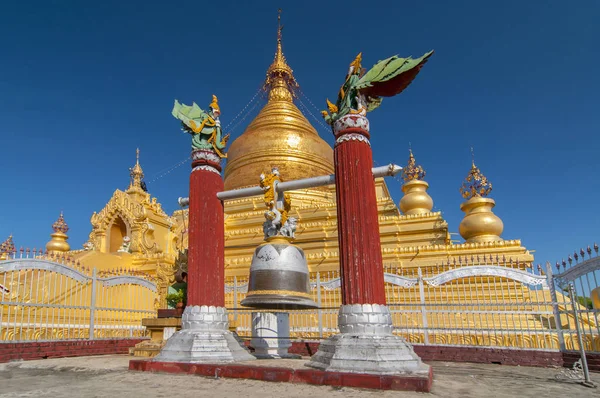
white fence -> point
(49, 300)
(490, 303)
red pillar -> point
(206, 232)
(361, 264)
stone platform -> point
(289, 371)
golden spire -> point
(279, 135)
(58, 243)
(412, 171)
(475, 184)
(280, 81)
(136, 172)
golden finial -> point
(60, 225)
(475, 184)
(7, 247)
(136, 172)
(58, 243)
(412, 171)
(280, 81)
(215, 103)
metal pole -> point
(586, 373)
(93, 303)
(423, 309)
(313, 182)
(235, 298)
(555, 309)
(319, 311)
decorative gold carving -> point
(136, 173)
(475, 184)
(60, 225)
(412, 171)
(267, 183)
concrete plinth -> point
(204, 338)
(270, 335)
(366, 345)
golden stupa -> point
(279, 136)
(133, 231)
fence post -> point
(93, 303)
(235, 314)
(319, 311)
(555, 309)
(584, 364)
(423, 309)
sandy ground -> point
(107, 376)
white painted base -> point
(204, 338)
(270, 335)
(366, 345)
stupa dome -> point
(280, 136)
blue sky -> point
(82, 84)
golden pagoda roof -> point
(280, 135)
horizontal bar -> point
(313, 182)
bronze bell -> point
(279, 276)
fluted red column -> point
(206, 233)
(361, 265)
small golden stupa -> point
(416, 200)
(480, 223)
(59, 243)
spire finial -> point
(59, 243)
(136, 172)
(60, 225)
(412, 171)
(279, 26)
(280, 81)
(475, 184)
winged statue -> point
(204, 126)
(363, 90)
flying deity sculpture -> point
(363, 90)
(204, 126)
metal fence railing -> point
(488, 302)
(49, 300)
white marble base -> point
(204, 338)
(366, 345)
(271, 335)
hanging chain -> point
(244, 108)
